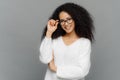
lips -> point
(67, 27)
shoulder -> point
(56, 42)
(84, 41)
(84, 44)
(56, 39)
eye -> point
(69, 18)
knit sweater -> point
(72, 61)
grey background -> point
(21, 24)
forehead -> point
(64, 15)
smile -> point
(67, 27)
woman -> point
(66, 43)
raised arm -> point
(46, 50)
(46, 44)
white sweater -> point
(72, 61)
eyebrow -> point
(66, 18)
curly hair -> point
(83, 22)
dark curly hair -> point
(83, 22)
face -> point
(66, 22)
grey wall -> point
(21, 24)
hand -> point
(52, 25)
(52, 66)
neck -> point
(71, 35)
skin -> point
(68, 38)
(70, 35)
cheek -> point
(73, 25)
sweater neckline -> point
(69, 44)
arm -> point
(46, 45)
(46, 50)
(52, 65)
(81, 69)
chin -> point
(68, 32)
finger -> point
(51, 22)
(56, 23)
(57, 20)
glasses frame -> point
(68, 20)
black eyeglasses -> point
(68, 20)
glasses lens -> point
(61, 22)
(68, 20)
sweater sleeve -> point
(82, 66)
(46, 50)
